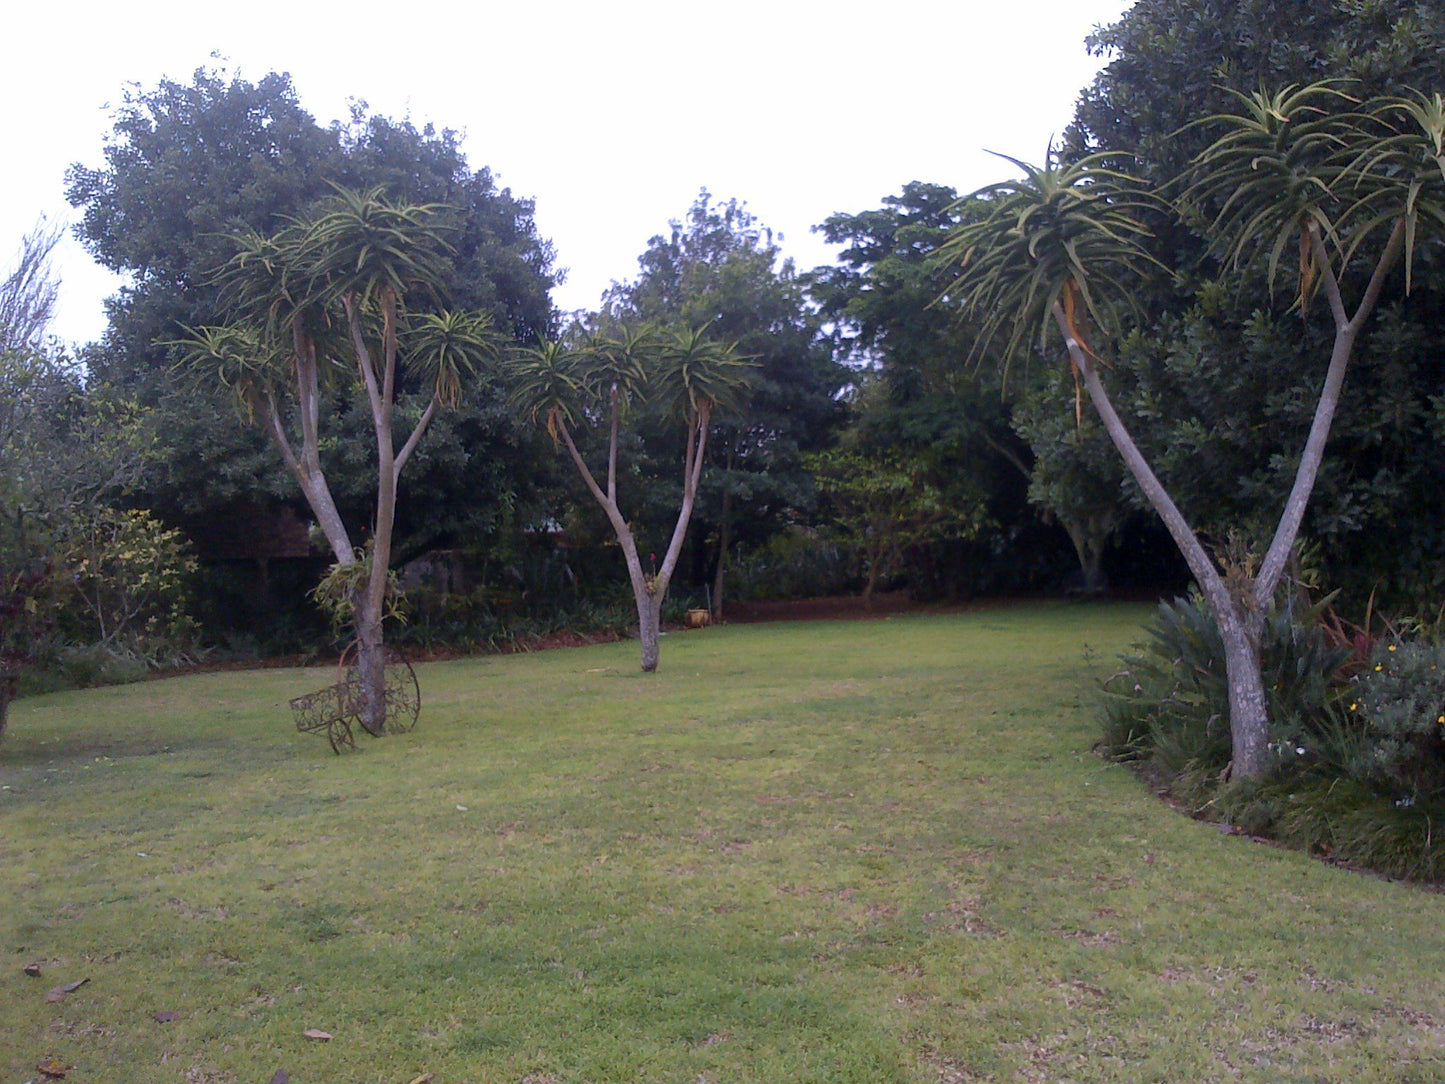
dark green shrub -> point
(1399, 699)
(1170, 702)
(796, 563)
(1359, 769)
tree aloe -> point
(319, 300)
(681, 376)
(1065, 249)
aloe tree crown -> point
(1065, 234)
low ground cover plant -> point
(1357, 747)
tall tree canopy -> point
(1176, 60)
(954, 420)
(191, 164)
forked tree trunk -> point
(1240, 615)
(647, 592)
(1248, 722)
(649, 628)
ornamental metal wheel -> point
(403, 691)
(338, 733)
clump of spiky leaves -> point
(1270, 177)
(1065, 234)
(1357, 768)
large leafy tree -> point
(1172, 61)
(879, 504)
(1346, 190)
(192, 163)
(609, 382)
(69, 448)
(328, 294)
(963, 421)
(722, 268)
(1215, 440)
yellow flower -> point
(1390, 648)
(1354, 707)
(1378, 668)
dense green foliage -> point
(190, 165)
(1215, 378)
(1219, 381)
(1357, 744)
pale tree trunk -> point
(1249, 724)
(648, 592)
(1240, 615)
(370, 665)
(371, 644)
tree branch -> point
(411, 442)
(363, 355)
(1276, 557)
(1190, 547)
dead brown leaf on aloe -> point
(58, 993)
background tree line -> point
(862, 396)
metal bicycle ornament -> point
(336, 710)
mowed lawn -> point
(867, 851)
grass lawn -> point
(840, 851)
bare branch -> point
(28, 293)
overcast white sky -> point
(610, 114)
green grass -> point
(845, 852)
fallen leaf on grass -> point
(59, 992)
(53, 1069)
(281, 1077)
(425, 1078)
(165, 1017)
(317, 1034)
(33, 970)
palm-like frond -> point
(361, 244)
(1070, 235)
(241, 357)
(545, 385)
(618, 364)
(449, 346)
(695, 372)
(1272, 176)
(1398, 173)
